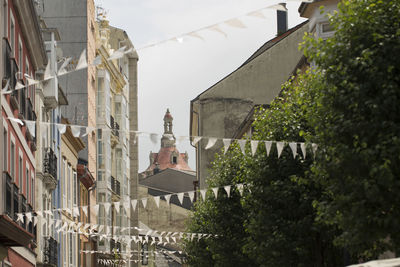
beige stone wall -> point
(91, 85)
(222, 108)
(169, 218)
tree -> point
(357, 124)
(274, 225)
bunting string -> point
(234, 22)
(154, 137)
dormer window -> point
(325, 30)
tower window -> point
(174, 160)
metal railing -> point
(115, 186)
(50, 162)
(114, 126)
(50, 251)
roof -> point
(170, 180)
(259, 51)
(163, 159)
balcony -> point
(50, 168)
(11, 233)
(50, 251)
(115, 186)
(115, 131)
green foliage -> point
(357, 125)
(274, 225)
(223, 217)
(310, 212)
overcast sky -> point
(173, 73)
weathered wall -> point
(169, 218)
(222, 108)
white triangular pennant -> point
(196, 139)
(82, 63)
(278, 7)
(303, 149)
(254, 145)
(211, 142)
(203, 193)
(191, 196)
(39, 213)
(196, 35)
(268, 145)
(227, 143)
(157, 201)
(134, 203)
(236, 23)
(242, 144)
(167, 198)
(228, 190)
(240, 188)
(28, 217)
(35, 220)
(20, 217)
(215, 190)
(16, 120)
(62, 69)
(31, 127)
(88, 130)
(180, 197)
(314, 148)
(279, 147)
(19, 86)
(144, 202)
(293, 147)
(216, 28)
(257, 14)
(76, 130)
(61, 128)
(154, 138)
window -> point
(5, 16)
(33, 189)
(20, 56)
(68, 181)
(5, 150)
(174, 160)
(70, 249)
(325, 29)
(63, 185)
(27, 183)
(12, 160)
(20, 172)
(12, 33)
(75, 189)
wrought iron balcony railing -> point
(50, 251)
(50, 162)
(115, 186)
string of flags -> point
(126, 204)
(112, 262)
(154, 137)
(121, 52)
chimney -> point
(282, 19)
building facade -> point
(22, 54)
(220, 110)
(113, 123)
